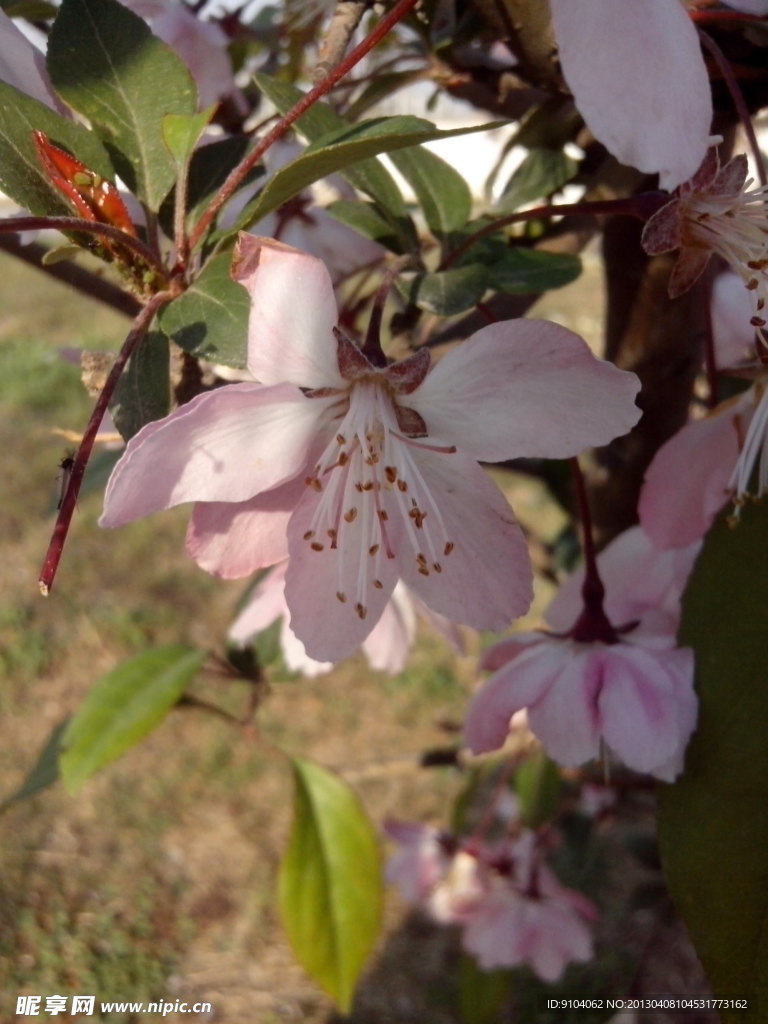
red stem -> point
(738, 101)
(61, 529)
(398, 12)
(372, 349)
(642, 207)
(93, 227)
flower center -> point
(372, 494)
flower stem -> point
(593, 623)
(642, 207)
(398, 12)
(372, 349)
(69, 500)
(738, 101)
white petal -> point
(638, 77)
(525, 388)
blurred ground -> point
(158, 880)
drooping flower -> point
(510, 906)
(639, 80)
(632, 691)
(368, 471)
(386, 647)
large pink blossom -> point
(638, 78)
(634, 695)
(386, 647)
(365, 474)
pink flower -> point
(386, 647)
(715, 212)
(635, 694)
(368, 472)
(639, 81)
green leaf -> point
(45, 771)
(21, 174)
(143, 393)
(537, 782)
(182, 133)
(210, 320)
(370, 176)
(443, 195)
(330, 887)
(32, 10)
(541, 173)
(208, 170)
(108, 66)
(713, 822)
(531, 271)
(446, 292)
(123, 707)
(482, 994)
(367, 221)
(380, 88)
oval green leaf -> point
(443, 195)
(123, 707)
(108, 66)
(143, 393)
(446, 292)
(210, 320)
(45, 772)
(713, 822)
(542, 172)
(532, 271)
(330, 886)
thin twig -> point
(92, 227)
(61, 529)
(346, 17)
(738, 101)
(397, 13)
(642, 207)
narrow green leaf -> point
(380, 88)
(443, 195)
(446, 292)
(370, 176)
(123, 707)
(541, 173)
(182, 132)
(531, 271)
(367, 221)
(713, 822)
(108, 66)
(210, 319)
(330, 887)
(45, 771)
(537, 782)
(482, 994)
(21, 174)
(143, 393)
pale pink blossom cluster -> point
(626, 692)
(511, 908)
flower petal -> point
(265, 605)
(732, 333)
(235, 539)
(565, 719)
(295, 655)
(525, 388)
(389, 642)
(639, 707)
(293, 313)
(224, 445)
(522, 682)
(638, 78)
(686, 484)
(331, 628)
(485, 579)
